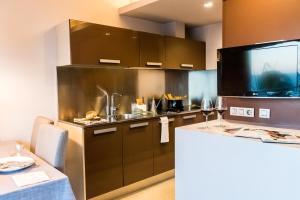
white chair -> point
(51, 144)
(37, 122)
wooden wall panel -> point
(256, 21)
(284, 112)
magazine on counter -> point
(268, 135)
(249, 133)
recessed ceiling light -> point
(208, 4)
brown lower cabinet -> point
(121, 154)
(137, 151)
(103, 159)
(164, 156)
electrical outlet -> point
(248, 112)
(242, 112)
(264, 113)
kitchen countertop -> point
(212, 164)
(137, 118)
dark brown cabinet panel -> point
(105, 45)
(164, 153)
(103, 159)
(137, 151)
(152, 50)
(188, 119)
(184, 53)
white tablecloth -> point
(57, 188)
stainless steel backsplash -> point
(78, 93)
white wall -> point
(212, 35)
(28, 55)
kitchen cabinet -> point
(103, 159)
(152, 50)
(164, 153)
(137, 151)
(84, 43)
(188, 119)
(105, 45)
(184, 53)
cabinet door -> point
(151, 50)
(105, 45)
(188, 119)
(103, 159)
(164, 154)
(137, 151)
(184, 53)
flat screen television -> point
(260, 70)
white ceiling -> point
(190, 12)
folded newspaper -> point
(268, 135)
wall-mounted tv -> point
(260, 70)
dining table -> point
(56, 187)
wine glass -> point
(206, 109)
(220, 107)
(19, 149)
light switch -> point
(241, 112)
(233, 111)
(264, 113)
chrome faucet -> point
(113, 107)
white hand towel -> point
(164, 137)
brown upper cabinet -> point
(184, 53)
(87, 43)
(98, 44)
(152, 50)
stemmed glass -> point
(206, 109)
(19, 149)
(220, 107)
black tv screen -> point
(262, 70)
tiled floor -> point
(161, 191)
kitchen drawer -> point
(188, 119)
(103, 159)
(164, 154)
(137, 151)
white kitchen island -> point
(213, 165)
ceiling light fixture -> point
(208, 4)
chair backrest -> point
(51, 144)
(37, 122)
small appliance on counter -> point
(174, 103)
(139, 106)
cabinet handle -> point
(157, 64)
(170, 120)
(187, 65)
(109, 61)
(107, 130)
(139, 125)
(189, 117)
